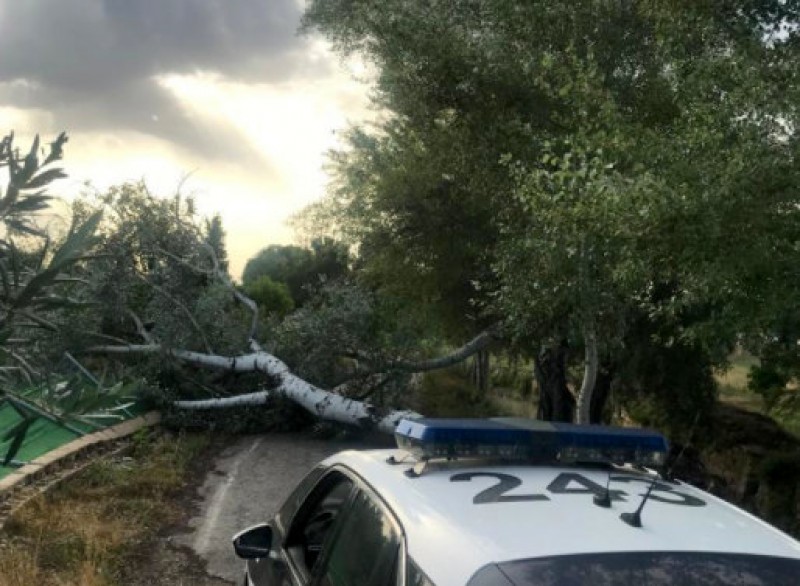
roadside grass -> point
(732, 384)
(735, 377)
(787, 412)
(733, 390)
(85, 531)
(451, 393)
(508, 403)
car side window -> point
(366, 549)
(316, 518)
(415, 576)
(295, 500)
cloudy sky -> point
(223, 89)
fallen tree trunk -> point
(322, 403)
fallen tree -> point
(324, 404)
(321, 403)
(331, 405)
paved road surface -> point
(244, 486)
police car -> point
(511, 502)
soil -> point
(168, 564)
(161, 560)
(746, 458)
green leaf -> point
(18, 432)
(4, 279)
(31, 203)
(31, 164)
(24, 227)
(56, 149)
(15, 429)
(45, 178)
(77, 242)
(10, 198)
(69, 252)
(34, 286)
(43, 254)
(14, 258)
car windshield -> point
(636, 568)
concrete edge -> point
(39, 466)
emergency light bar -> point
(511, 438)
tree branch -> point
(17, 369)
(140, 329)
(245, 400)
(183, 308)
(76, 280)
(185, 263)
(225, 280)
(104, 337)
(363, 388)
(217, 272)
(40, 321)
(241, 297)
(26, 368)
(474, 346)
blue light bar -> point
(529, 439)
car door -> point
(366, 548)
(302, 528)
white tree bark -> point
(584, 403)
(244, 400)
(322, 403)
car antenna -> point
(634, 519)
(669, 472)
(604, 500)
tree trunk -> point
(602, 391)
(477, 344)
(556, 403)
(480, 371)
(589, 375)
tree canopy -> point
(301, 269)
(566, 167)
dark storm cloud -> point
(92, 63)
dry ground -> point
(112, 523)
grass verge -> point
(86, 530)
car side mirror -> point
(254, 542)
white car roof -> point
(451, 537)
